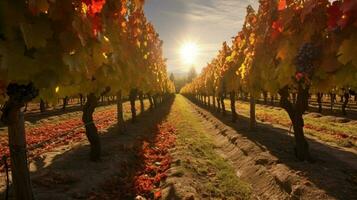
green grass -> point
(217, 174)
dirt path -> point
(212, 159)
(264, 158)
(198, 170)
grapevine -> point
(287, 46)
(304, 62)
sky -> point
(208, 23)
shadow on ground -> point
(69, 174)
(333, 169)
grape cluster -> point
(305, 57)
(22, 93)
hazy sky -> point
(206, 22)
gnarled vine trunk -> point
(222, 97)
(346, 97)
(132, 98)
(155, 98)
(13, 118)
(295, 112)
(65, 103)
(332, 100)
(214, 101)
(26, 105)
(232, 96)
(141, 98)
(252, 120)
(218, 104)
(81, 99)
(151, 101)
(91, 129)
(120, 114)
(42, 106)
(319, 101)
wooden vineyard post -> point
(120, 114)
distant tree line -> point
(181, 81)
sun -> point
(189, 51)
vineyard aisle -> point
(264, 158)
(181, 151)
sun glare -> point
(189, 52)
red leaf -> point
(157, 194)
(334, 15)
(282, 5)
(299, 76)
(95, 6)
(277, 29)
(277, 26)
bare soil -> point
(263, 159)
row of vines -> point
(58, 49)
(286, 47)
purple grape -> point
(305, 58)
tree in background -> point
(192, 74)
(172, 77)
(181, 80)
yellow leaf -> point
(348, 51)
